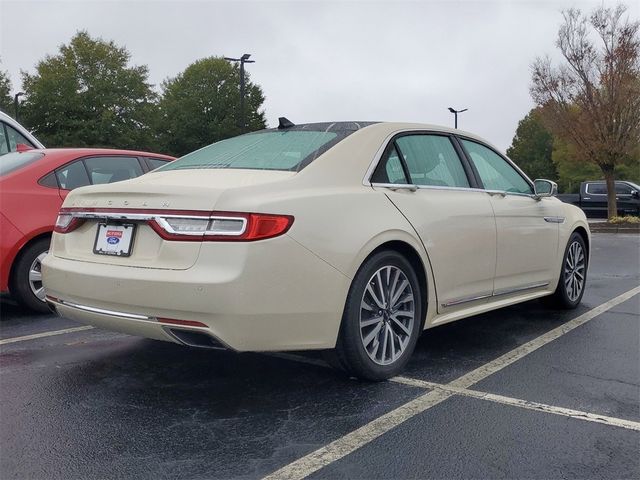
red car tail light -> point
(67, 222)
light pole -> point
(15, 103)
(243, 59)
(455, 113)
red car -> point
(33, 185)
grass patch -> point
(625, 219)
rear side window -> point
(432, 160)
(390, 168)
(112, 169)
(156, 163)
(495, 172)
(597, 188)
(15, 161)
(288, 150)
(73, 176)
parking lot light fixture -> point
(243, 59)
(16, 102)
(455, 113)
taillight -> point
(186, 225)
(67, 222)
(222, 227)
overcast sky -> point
(325, 60)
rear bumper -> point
(259, 296)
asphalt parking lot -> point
(519, 393)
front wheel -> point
(573, 276)
(382, 318)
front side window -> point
(432, 160)
(112, 169)
(623, 189)
(15, 137)
(495, 172)
(288, 150)
(4, 142)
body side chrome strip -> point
(459, 301)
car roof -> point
(389, 127)
(85, 151)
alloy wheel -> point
(35, 277)
(387, 313)
(574, 271)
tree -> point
(87, 95)
(592, 100)
(201, 106)
(6, 101)
(532, 148)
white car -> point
(13, 134)
(346, 236)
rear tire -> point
(26, 280)
(573, 275)
(382, 318)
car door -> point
(425, 177)
(594, 200)
(625, 201)
(527, 227)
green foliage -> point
(87, 95)
(201, 106)
(6, 100)
(543, 155)
(532, 147)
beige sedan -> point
(350, 237)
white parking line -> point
(45, 334)
(516, 402)
(356, 439)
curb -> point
(603, 227)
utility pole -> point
(455, 113)
(243, 59)
(16, 103)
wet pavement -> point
(95, 404)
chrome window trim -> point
(366, 181)
(499, 293)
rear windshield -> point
(16, 160)
(289, 150)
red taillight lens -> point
(66, 222)
(261, 226)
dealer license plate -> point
(114, 239)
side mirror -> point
(635, 194)
(545, 188)
(22, 147)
